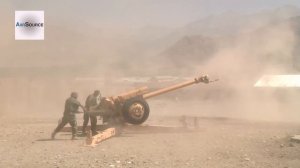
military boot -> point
(53, 135)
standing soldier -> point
(71, 108)
(91, 100)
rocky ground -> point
(217, 143)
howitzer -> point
(131, 107)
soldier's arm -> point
(83, 108)
(79, 104)
(87, 101)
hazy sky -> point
(139, 13)
(77, 22)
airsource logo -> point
(29, 25)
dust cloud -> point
(243, 61)
(38, 77)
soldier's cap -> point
(74, 94)
(96, 92)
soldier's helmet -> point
(97, 93)
(74, 95)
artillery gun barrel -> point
(130, 94)
(203, 79)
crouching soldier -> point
(71, 108)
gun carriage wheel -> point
(136, 111)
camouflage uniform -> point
(71, 108)
(91, 100)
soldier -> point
(91, 100)
(71, 108)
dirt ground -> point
(217, 143)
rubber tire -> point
(126, 114)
